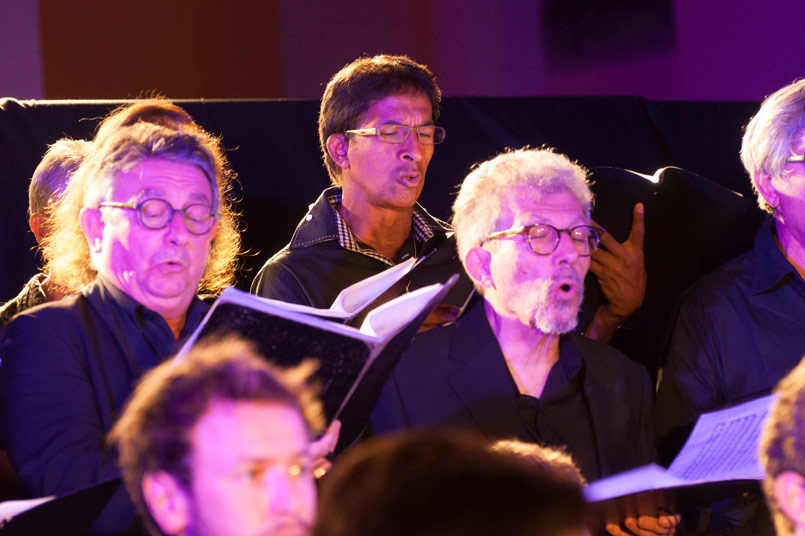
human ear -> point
(38, 223)
(167, 501)
(765, 186)
(91, 222)
(789, 490)
(478, 263)
(337, 146)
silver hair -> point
(771, 133)
(66, 251)
(481, 206)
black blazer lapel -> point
(480, 378)
(612, 421)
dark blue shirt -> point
(67, 370)
(740, 330)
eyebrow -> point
(293, 457)
(160, 192)
(428, 123)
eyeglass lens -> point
(399, 133)
(544, 239)
(157, 214)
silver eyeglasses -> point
(158, 213)
(427, 134)
(543, 239)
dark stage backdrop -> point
(273, 147)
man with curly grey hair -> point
(740, 329)
(511, 366)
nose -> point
(281, 491)
(566, 250)
(412, 149)
(177, 230)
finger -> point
(605, 258)
(643, 527)
(656, 525)
(669, 520)
(651, 525)
(442, 314)
(600, 268)
(638, 232)
(320, 469)
(608, 242)
(326, 443)
(615, 530)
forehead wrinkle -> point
(160, 193)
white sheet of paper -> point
(710, 452)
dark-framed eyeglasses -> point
(543, 239)
(795, 159)
(427, 134)
(157, 214)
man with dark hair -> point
(377, 132)
(47, 184)
(782, 455)
(444, 485)
(218, 443)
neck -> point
(176, 324)
(385, 230)
(530, 354)
(793, 250)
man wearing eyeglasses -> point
(511, 366)
(377, 130)
(742, 327)
(244, 429)
(142, 228)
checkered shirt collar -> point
(347, 239)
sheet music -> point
(724, 443)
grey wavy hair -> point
(481, 206)
(771, 134)
(66, 251)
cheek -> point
(583, 266)
(427, 154)
(306, 495)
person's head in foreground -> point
(553, 459)
(522, 223)
(782, 454)
(772, 153)
(439, 484)
(148, 211)
(217, 444)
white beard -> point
(560, 315)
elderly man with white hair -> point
(740, 328)
(511, 366)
